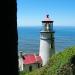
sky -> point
(32, 12)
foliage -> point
(22, 73)
(57, 63)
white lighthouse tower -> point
(47, 48)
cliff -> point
(62, 63)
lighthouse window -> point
(45, 27)
(50, 45)
(50, 26)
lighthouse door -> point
(30, 68)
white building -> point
(47, 48)
(29, 62)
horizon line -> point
(42, 25)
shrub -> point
(59, 64)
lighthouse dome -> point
(47, 18)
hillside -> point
(59, 64)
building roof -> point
(38, 59)
(47, 19)
(31, 58)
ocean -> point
(29, 38)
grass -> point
(55, 63)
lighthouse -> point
(47, 47)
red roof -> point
(31, 58)
(47, 19)
(38, 59)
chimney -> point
(20, 54)
(20, 61)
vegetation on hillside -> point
(59, 64)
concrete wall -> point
(20, 60)
(44, 50)
(34, 66)
(46, 46)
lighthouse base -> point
(45, 50)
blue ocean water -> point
(29, 38)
